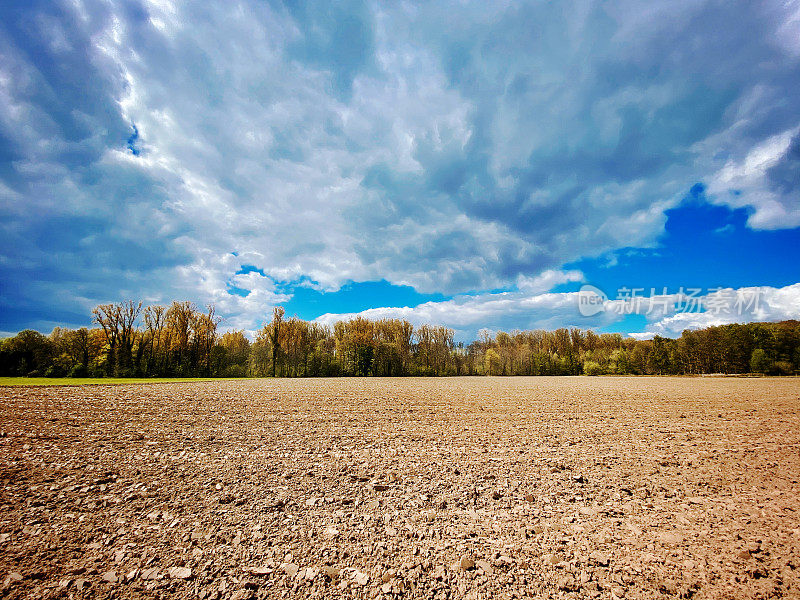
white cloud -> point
(746, 182)
(742, 305)
(536, 310)
(547, 280)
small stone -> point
(180, 572)
(110, 577)
(568, 583)
(529, 497)
(151, 573)
(592, 588)
(290, 569)
(331, 532)
(13, 577)
(361, 578)
(467, 563)
(311, 573)
(331, 572)
(484, 566)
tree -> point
(118, 322)
(72, 351)
(179, 319)
(155, 344)
(27, 353)
(204, 335)
(275, 334)
(258, 362)
(760, 362)
(181, 340)
(658, 357)
(235, 351)
(592, 368)
(492, 362)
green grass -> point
(16, 381)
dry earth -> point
(425, 488)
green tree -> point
(493, 364)
(275, 334)
(592, 368)
(760, 361)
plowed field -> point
(419, 488)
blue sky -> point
(470, 164)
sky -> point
(473, 164)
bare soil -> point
(423, 488)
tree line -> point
(132, 340)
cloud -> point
(547, 280)
(529, 307)
(667, 314)
(727, 306)
(150, 148)
(504, 310)
(766, 179)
